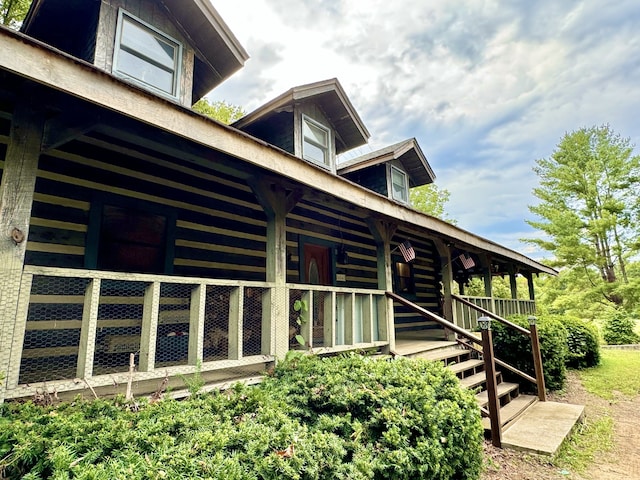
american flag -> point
(407, 251)
(467, 261)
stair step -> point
(454, 354)
(512, 410)
(473, 381)
(504, 388)
(466, 365)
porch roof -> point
(26, 58)
(407, 152)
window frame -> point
(123, 16)
(411, 291)
(329, 158)
(406, 185)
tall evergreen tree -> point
(588, 209)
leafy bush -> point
(515, 349)
(351, 417)
(582, 342)
(618, 330)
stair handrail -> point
(426, 313)
(532, 334)
(492, 315)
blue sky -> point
(486, 87)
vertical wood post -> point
(448, 312)
(537, 359)
(276, 202)
(236, 335)
(149, 334)
(88, 330)
(383, 233)
(196, 324)
(16, 200)
(492, 387)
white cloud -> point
(486, 87)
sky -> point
(486, 87)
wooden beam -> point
(70, 124)
(16, 200)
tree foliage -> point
(12, 12)
(589, 194)
(431, 199)
(219, 110)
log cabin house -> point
(131, 224)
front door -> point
(317, 271)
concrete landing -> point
(542, 428)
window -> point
(399, 185)
(130, 237)
(404, 281)
(146, 55)
(315, 142)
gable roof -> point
(218, 52)
(407, 152)
(331, 98)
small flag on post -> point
(467, 261)
(407, 251)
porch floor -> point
(543, 427)
(412, 342)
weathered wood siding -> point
(332, 226)
(277, 130)
(374, 178)
(220, 229)
(426, 270)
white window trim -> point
(406, 185)
(330, 161)
(178, 67)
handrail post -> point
(492, 387)
(537, 359)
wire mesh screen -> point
(216, 323)
(54, 318)
(295, 319)
(252, 320)
(119, 325)
(319, 314)
(172, 341)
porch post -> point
(382, 233)
(447, 283)
(277, 202)
(514, 287)
(488, 280)
(16, 200)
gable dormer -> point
(315, 122)
(390, 171)
(178, 49)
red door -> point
(317, 270)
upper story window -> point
(146, 55)
(399, 185)
(316, 141)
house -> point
(134, 225)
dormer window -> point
(399, 185)
(316, 141)
(146, 55)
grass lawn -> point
(617, 374)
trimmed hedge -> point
(351, 417)
(515, 349)
(619, 330)
(582, 342)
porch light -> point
(532, 320)
(484, 323)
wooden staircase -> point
(469, 368)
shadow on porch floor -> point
(409, 343)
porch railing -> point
(466, 317)
(77, 328)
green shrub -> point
(350, 417)
(618, 330)
(582, 342)
(515, 348)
